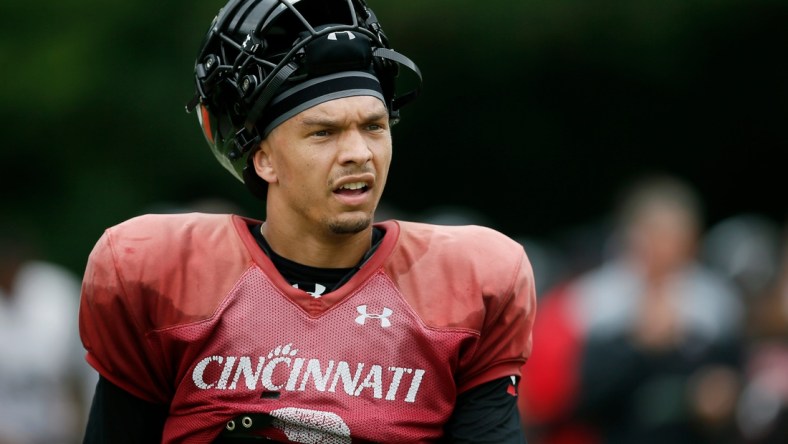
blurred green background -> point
(533, 112)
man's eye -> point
(321, 133)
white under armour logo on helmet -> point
(333, 35)
(384, 317)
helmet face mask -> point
(257, 49)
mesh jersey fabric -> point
(186, 310)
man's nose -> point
(354, 148)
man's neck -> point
(318, 250)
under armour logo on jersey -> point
(384, 317)
(319, 290)
(333, 35)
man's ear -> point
(263, 164)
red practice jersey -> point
(186, 310)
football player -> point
(314, 324)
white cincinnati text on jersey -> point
(282, 370)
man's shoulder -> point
(155, 242)
(467, 250)
(458, 237)
(477, 271)
(170, 223)
(187, 261)
(171, 229)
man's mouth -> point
(352, 188)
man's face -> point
(663, 238)
(327, 166)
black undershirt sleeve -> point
(486, 414)
(117, 417)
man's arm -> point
(487, 414)
(117, 417)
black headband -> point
(309, 93)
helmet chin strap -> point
(268, 93)
(249, 137)
(390, 54)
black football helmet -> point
(254, 49)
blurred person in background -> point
(661, 355)
(45, 384)
(550, 389)
(753, 251)
(645, 347)
(746, 249)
